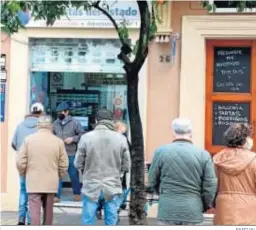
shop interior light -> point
(119, 76)
(109, 75)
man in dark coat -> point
(70, 131)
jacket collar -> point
(66, 120)
(47, 130)
(32, 116)
(105, 124)
(183, 140)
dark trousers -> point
(38, 200)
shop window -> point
(84, 73)
(84, 92)
(230, 88)
(229, 7)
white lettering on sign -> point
(232, 65)
(227, 64)
(235, 87)
(230, 72)
(229, 52)
(225, 115)
(230, 58)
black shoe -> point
(123, 206)
(21, 223)
(99, 214)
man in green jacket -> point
(184, 177)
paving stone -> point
(66, 219)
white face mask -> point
(248, 143)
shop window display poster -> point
(39, 88)
(3, 94)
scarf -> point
(107, 123)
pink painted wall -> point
(163, 82)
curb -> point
(71, 207)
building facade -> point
(186, 74)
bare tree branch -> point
(125, 46)
(105, 12)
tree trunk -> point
(137, 214)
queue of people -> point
(188, 180)
(49, 150)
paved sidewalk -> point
(10, 218)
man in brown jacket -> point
(43, 161)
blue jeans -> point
(110, 210)
(125, 195)
(74, 177)
(23, 202)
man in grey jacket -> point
(184, 177)
(102, 156)
(70, 131)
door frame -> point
(226, 97)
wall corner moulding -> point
(195, 31)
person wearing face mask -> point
(235, 168)
(69, 130)
(249, 143)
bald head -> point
(120, 127)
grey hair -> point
(182, 126)
(44, 121)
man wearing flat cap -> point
(69, 130)
(184, 177)
(42, 160)
(102, 157)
